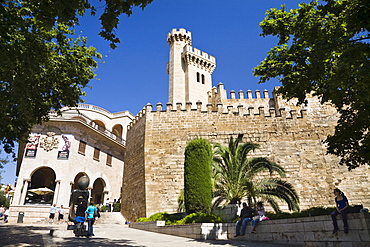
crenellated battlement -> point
(179, 35)
(221, 92)
(195, 56)
(240, 110)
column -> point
(90, 194)
(56, 192)
(24, 191)
(105, 197)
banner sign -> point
(64, 147)
(32, 144)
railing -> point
(89, 121)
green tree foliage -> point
(42, 67)
(2, 163)
(324, 48)
(181, 202)
(47, 13)
(238, 177)
(197, 176)
(3, 200)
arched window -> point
(117, 130)
(203, 79)
(198, 78)
(98, 125)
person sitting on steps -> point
(341, 204)
(245, 215)
(261, 213)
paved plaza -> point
(105, 235)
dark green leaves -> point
(325, 49)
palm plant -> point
(235, 177)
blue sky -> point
(134, 74)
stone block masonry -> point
(289, 134)
(153, 176)
(308, 231)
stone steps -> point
(111, 218)
(40, 215)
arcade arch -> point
(43, 177)
(97, 193)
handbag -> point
(96, 213)
(256, 217)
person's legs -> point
(345, 221)
(254, 224)
(238, 224)
(244, 225)
(90, 223)
(334, 219)
(51, 218)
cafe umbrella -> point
(41, 191)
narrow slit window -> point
(203, 79)
(96, 153)
(198, 77)
(82, 147)
(109, 160)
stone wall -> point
(133, 204)
(308, 231)
(292, 139)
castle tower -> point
(189, 69)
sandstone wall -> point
(293, 140)
(133, 203)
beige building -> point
(86, 140)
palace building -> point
(140, 159)
(84, 141)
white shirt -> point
(261, 211)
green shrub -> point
(171, 219)
(200, 218)
(3, 200)
(117, 207)
(314, 211)
(103, 208)
(157, 216)
(197, 176)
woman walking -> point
(90, 211)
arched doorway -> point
(42, 187)
(97, 191)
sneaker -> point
(335, 231)
(346, 230)
(253, 232)
(237, 235)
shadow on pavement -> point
(12, 235)
(82, 241)
(242, 243)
